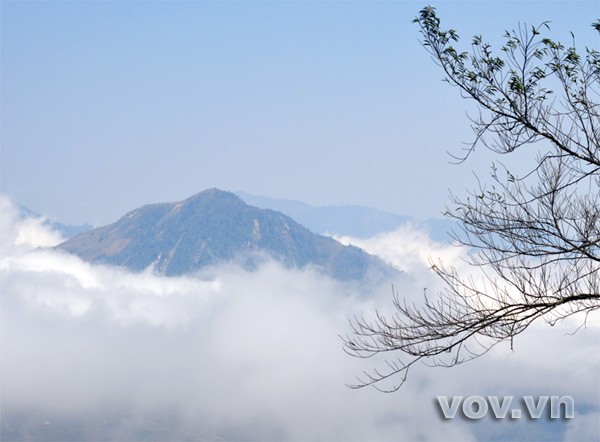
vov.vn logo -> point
(477, 407)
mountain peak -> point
(211, 196)
(214, 193)
(211, 227)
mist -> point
(97, 352)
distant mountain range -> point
(66, 230)
(347, 220)
(216, 226)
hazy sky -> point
(110, 105)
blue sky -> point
(110, 105)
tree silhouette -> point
(535, 236)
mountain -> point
(357, 221)
(348, 220)
(211, 227)
(66, 230)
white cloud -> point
(235, 354)
(29, 232)
(33, 232)
(408, 248)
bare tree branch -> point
(534, 237)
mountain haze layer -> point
(66, 230)
(349, 220)
(358, 221)
(212, 227)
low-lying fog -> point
(93, 352)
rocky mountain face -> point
(212, 227)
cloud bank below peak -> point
(96, 352)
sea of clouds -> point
(100, 353)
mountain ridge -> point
(215, 226)
(349, 220)
(66, 230)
